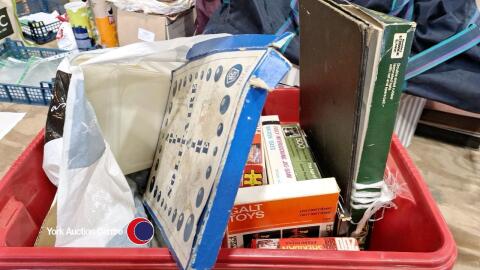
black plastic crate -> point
(40, 33)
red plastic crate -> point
(414, 236)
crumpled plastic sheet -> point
(11, 70)
(28, 72)
(40, 70)
(155, 7)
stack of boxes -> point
(283, 194)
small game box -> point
(301, 155)
(289, 210)
(277, 158)
(254, 173)
(325, 243)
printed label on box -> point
(398, 47)
(145, 35)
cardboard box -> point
(350, 121)
(137, 27)
(254, 173)
(277, 158)
(325, 243)
(290, 210)
(300, 152)
(46, 235)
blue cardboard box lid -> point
(214, 105)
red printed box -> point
(254, 173)
(325, 243)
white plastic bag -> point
(153, 6)
(66, 38)
(112, 116)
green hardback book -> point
(353, 68)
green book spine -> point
(304, 165)
(395, 50)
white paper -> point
(145, 35)
(8, 120)
(46, 18)
(399, 42)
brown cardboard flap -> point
(45, 238)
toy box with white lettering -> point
(277, 158)
(289, 210)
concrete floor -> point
(452, 173)
(453, 176)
